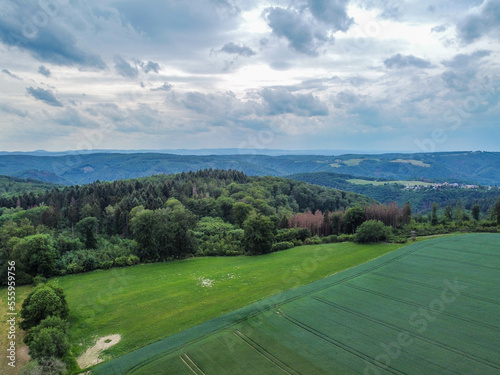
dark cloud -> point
(462, 61)
(457, 81)
(44, 71)
(150, 67)
(13, 111)
(439, 29)
(281, 101)
(331, 12)
(485, 22)
(11, 75)
(289, 24)
(50, 41)
(165, 87)
(125, 69)
(46, 96)
(401, 62)
(236, 49)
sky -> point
(409, 76)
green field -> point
(149, 302)
(358, 181)
(428, 308)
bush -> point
(330, 239)
(44, 301)
(39, 280)
(106, 265)
(345, 237)
(372, 231)
(282, 246)
(122, 261)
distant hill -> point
(387, 191)
(474, 167)
(13, 186)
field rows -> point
(429, 308)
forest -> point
(205, 213)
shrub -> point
(330, 239)
(282, 246)
(122, 261)
(106, 265)
(39, 280)
(44, 301)
(372, 231)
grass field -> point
(429, 308)
(147, 303)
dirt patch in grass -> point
(91, 356)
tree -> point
(241, 210)
(45, 366)
(44, 301)
(476, 211)
(49, 342)
(87, 228)
(372, 231)
(353, 218)
(50, 322)
(165, 232)
(434, 216)
(36, 255)
(495, 212)
(258, 235)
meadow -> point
(146, 303)
(428, 308)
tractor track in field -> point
(415, 335)
(409, 303)
(266, 354)
(339, 344)
(469, 295)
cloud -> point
(150, 67)
(165, 87)
(13, 111)
(125, 69)
(44, 71)
(476, 25)
(401, 62)
(331, 12)
(462, 61)
(236, 49)
(281, 101)
(46, 96)
(288, 24)
(11, 75)
(439, 29)
(50, 41)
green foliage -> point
(44, 366)
(241, 210)
(434, 215)
(495, 212)
(353, 218)
(259, 235)
(49, 342)
(282, 246)
(372, 231)
(165, 232)
(87, 228)
(35, 255)
(476, 211)
(216, 237)
(50, 322)
(44, 301)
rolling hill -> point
(474, 167)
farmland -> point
(149, 302)
(428, 308)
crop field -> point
(428, 308)
(149, 302)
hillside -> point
(474, 167)
(420, 194)
(12, 186)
